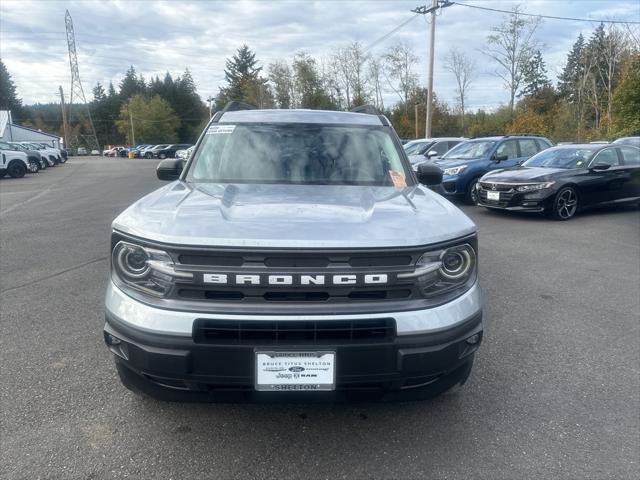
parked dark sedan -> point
(565, 179)
(170, 151)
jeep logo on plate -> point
(299, 279)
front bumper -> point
(430, 353)
(534, 202)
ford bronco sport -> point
(294, 256)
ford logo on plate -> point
(296, 369)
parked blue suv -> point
(464, 164)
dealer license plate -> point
(295, 371)
(493, 196)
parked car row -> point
(162, 151)
(527, 173)
(19, 158)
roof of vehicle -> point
(435, 139)
(502, 137)
(583, 146)
(300, 116)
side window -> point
(453, 144)
(630, 156)
(542, 145)
(528, 147)
(508, 148)
(608, 156)
(440, 147)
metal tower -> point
(77, 93)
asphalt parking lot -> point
(555, 392)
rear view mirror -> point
(600, 166)
(170, 169)
(431, 153)
(429, 174)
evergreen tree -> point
(131, 85)
(534, 76)
(8, 95)
(244, 82)
(573, 71)
(99, 94)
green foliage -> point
(309, 86)
(534, 76)
(626, 99)
(8, 94)
(154, 121)
(244, 82)
(482, 124)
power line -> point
(391, 32)
(551, 17)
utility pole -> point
(133, 136)
(436, 4)
(416, 117)
(65, 124)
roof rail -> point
(368, 109)
(523, 135)
(232, 106)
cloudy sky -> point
(160, 36)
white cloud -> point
(157, 36)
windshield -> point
(299, 154)
(469, 150)
(560, 158)
(417, 148)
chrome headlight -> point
(534, 187)
(454, 170)
(146, 269)
(443, 271)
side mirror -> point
(501, 158)
(170, 169)
(598, 167)
(431, 153)
(429, 174)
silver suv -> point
(295, 255)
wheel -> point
(63, 160)
(34, 166)
(54, 160)
(565, 205)
(43, 164)
(147, 155)
(2, 173)
(472, 194)
(162, 156)
(17, 169)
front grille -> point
(506, 194)
(280, 332)
(296, 262)
(499, 187)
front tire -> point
(565, 204)
(17, 170)
(162, 156)
(472, 193)
(34, 166)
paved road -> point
(554, 393)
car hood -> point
(415, 159)
(444, 163)
(525, 174)
(293, 216)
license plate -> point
(295, 371)
(493, 195)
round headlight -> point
(456, 262)
(132, 261)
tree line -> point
(597, 95)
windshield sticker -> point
(398, 179)
(218, 129)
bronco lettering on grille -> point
(262, 279)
